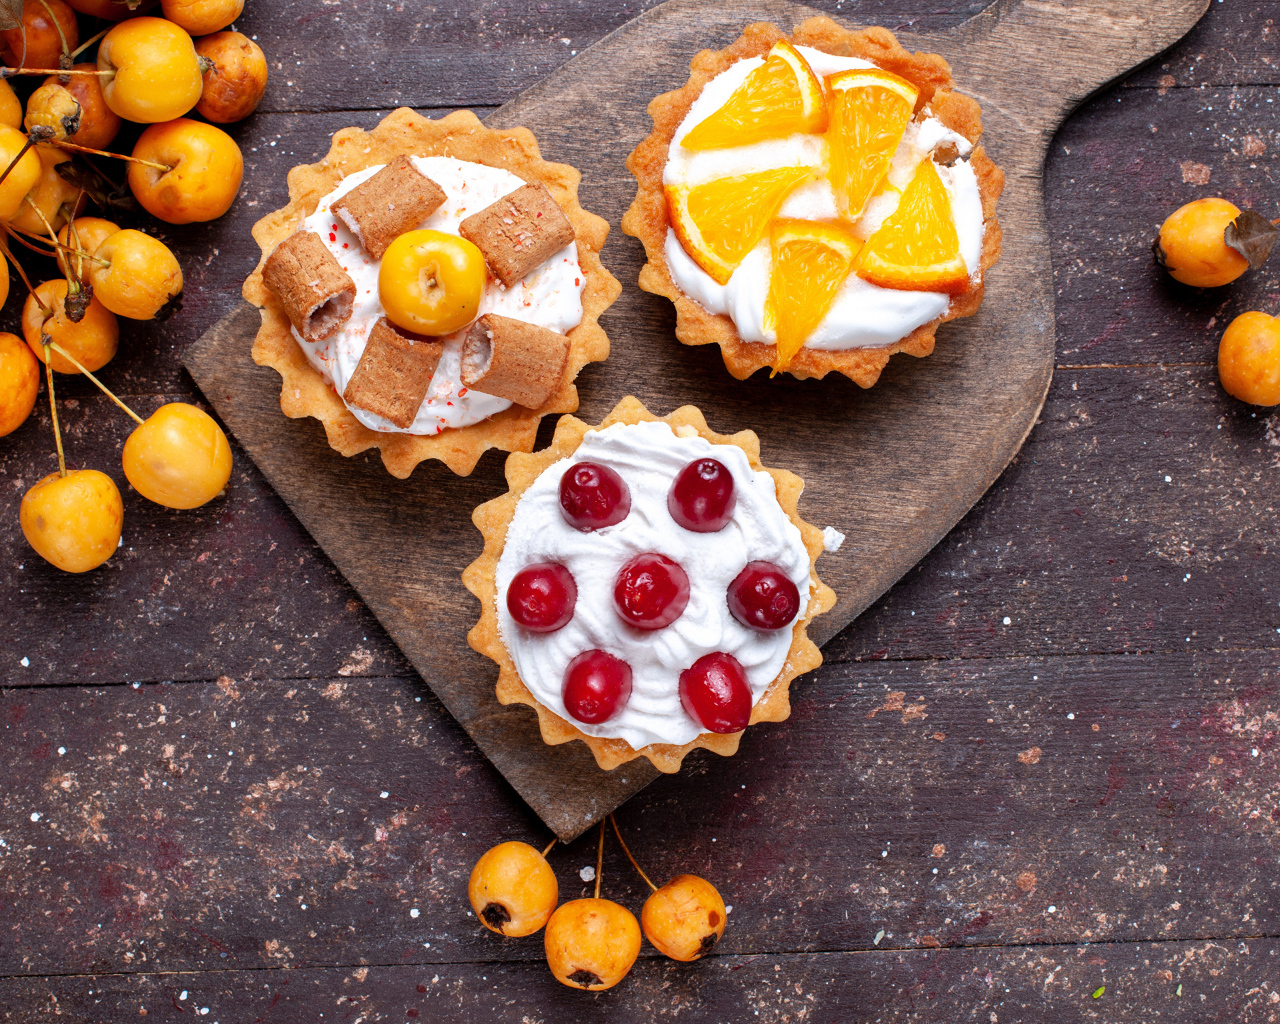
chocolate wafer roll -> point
(393, 201)
(394, 373)
(510, 359)
(317, 294)
(519, 232)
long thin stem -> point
(56, 24)
(105, 390)
(613, 821)
(89, 42)
(26, 280)
(53, 411)
(62, 143)
(12, 72)
(599, 860)
(24, 238)
(14, 162)
(548, 849)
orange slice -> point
(720, 221)
(811, 260)
(916, 248)
(781, 97)
(870, 109)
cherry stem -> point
(25, 239)
(613, 821)
(548, 849)
(53, 410)
(89, 42)
(12, 72)
(599, 860)
(26, 280)
(56, 24)
(14, 162)
(102, 152)
(105, 390)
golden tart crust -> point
(494, 517)
(647, 217)
(460, 135)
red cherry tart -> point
(593, 497)
(541, 597)
(763, 597)
(715, 693)
(702, 496)
(651, 591)
(596, 687)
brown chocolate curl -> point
(317, 294)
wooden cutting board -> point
(895, 467)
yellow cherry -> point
(153, 72)
(205, 169)
(592, 943)
(19, 382)
(84, 234)
(513, 889)
(179, 457)
(1192, 248)
(1249, 359)
(73, 521)
(431, 282)
(685, 918)
(135, 275)
(22, 179)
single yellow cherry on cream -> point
(431, 282)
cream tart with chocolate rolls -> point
(432, 289)
(815, 202)
(646, 586)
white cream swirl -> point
(863, 315)
(648, 456)
(550, 297)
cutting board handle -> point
(1061, 51)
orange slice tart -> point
(870, 111)
(815, 229)
(810, 261)
(719, 221)
(779, 98)
(917, 249)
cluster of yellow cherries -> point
(592, 943)
(152, 71)
(1209, 243)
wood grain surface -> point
(928, 441)
(1142, 605)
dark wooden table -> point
(1035, 782)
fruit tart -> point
(815, 202)
(646, 586)
(432, 289)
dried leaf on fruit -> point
(10, 14)
(1252, 236)
(96, 185)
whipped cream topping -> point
(551, 296)
(648, 456)
(863, 315)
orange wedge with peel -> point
(811, 260)
(870, 109)
(916, 248)
(719, 221)
(779, 98)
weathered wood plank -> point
(1234, 44)
(242, 825)
(1202, 981)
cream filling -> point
(863, 315)
(551, 296)
(648, 456)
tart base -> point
(647, 220)
(460, 135)
(493, 519)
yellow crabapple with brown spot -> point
(592, 943)
(135, 275)
(237, 81)
(73, 521)
(685, 918)
(512, 889)
(1192, 245)
(1249, 359)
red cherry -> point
(541, 597)
(651, 591)
(762, 596)
(596, 686)
(702, 498)
(593, 497)
(715, 693)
